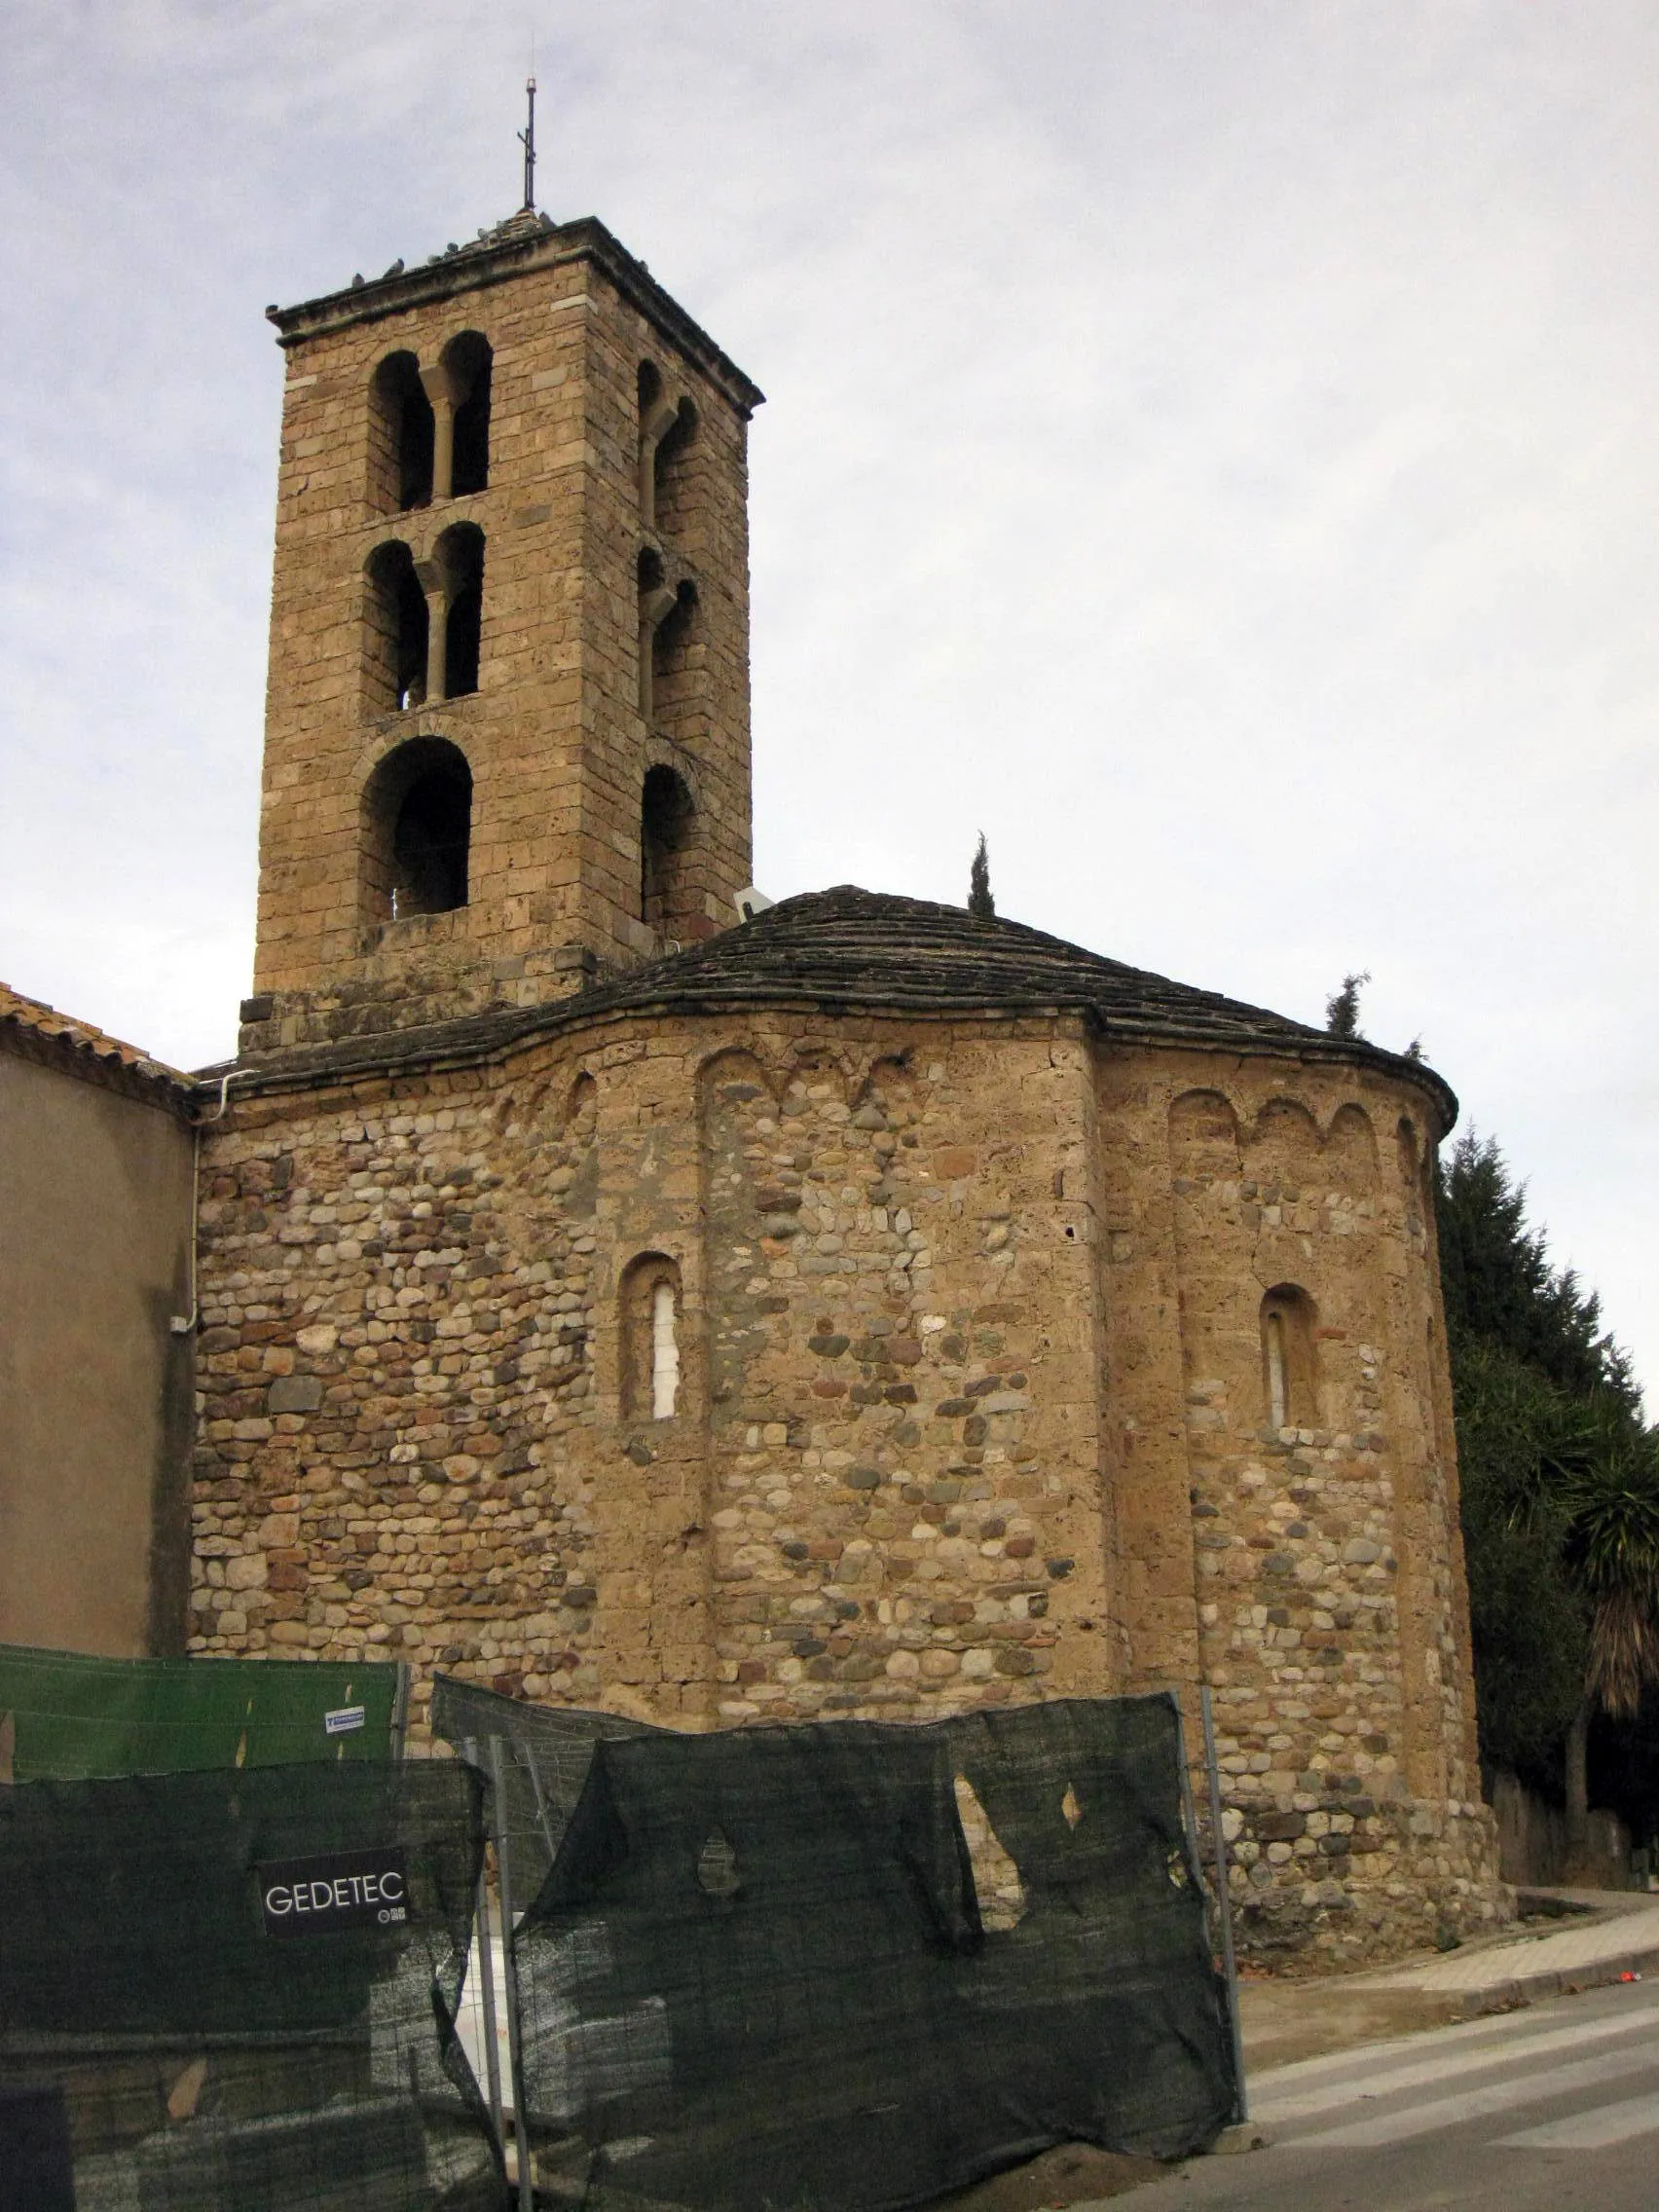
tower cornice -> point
(524, 244)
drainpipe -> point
(184, 1324)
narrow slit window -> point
(1290, 1376)
(1278, 1380)
(665, 1353)
(652, 1374)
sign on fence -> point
(160, 2008)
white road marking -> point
(1478, 2104)
(1294, 2103)
(1495, 2029)
(1590, 2130)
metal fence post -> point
(504, 1863)
(1223, 1900)
(528, 1754)
(487, 1980)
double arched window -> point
(429, 426)
(425, 622)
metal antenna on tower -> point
(527, 139)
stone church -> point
(619, 1292)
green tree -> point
(1612, 1552)
(1499, 1283)
(1342, 1007)
(980, 905)
(1517, 1440)
(1559, 1482)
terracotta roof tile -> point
(34, 1017)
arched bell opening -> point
(397, 630)
(417, 832)
(470, 362)
(669, 473)
(667, 822)
(401, 437)
(458, 558)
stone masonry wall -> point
(970, 1405)
(1331, 1618)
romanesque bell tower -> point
(506, 743)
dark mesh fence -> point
(551, 1751)
(758, 1977)
(65, 1716)
(209, 2002)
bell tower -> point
(506, 740)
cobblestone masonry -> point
(972, 1405)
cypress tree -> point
(1342, 1007)
(980, 905)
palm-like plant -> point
(1612, 1553)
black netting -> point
(550, 1750)
(207, 1994)
(758, 1977)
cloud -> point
(1208, 448)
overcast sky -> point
(1209, 447)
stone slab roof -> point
(39, 1032)
(853, 950)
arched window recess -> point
(1290, 1379)
(454, 583)
(417, 832)
(667, 822)
(396, 645)
(401, 436)
(650, 1357)
(667, 608)
(668, 423)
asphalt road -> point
(1556, 2108)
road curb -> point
(1562, 1982)
(1242, 2135)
